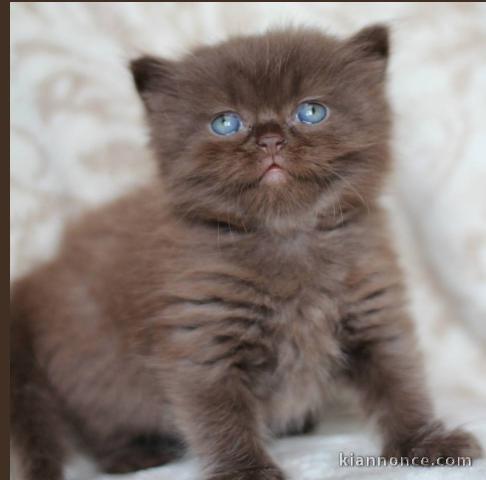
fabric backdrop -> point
(78, 139)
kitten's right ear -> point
(371, 46)
(153, 75)
(371, 43)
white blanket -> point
(78, 140)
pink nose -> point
(271, 142)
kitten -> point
(221, 303)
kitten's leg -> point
(124, 453)
(36, 425)
(384, 364)
(218, 416)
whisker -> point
(352, 187)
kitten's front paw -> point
(268, 473)
(434, 442)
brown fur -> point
(208, 309)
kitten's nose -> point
(271, 142)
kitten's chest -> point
(287, 290)
(308, 354)
(304, 280)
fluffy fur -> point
(213, 308)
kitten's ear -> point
(371, 43)
(153, 75)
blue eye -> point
(311, 113)
(226, 124)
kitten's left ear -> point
(371, 43)
(153, 76)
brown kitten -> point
(224, 301)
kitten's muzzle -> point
(273, 170)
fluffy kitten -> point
(222, 302)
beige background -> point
(78, 140)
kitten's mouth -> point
(274, 175)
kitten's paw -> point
(265, 473)
(435, 442)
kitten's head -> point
(269, 129)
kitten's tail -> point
(34, 418)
